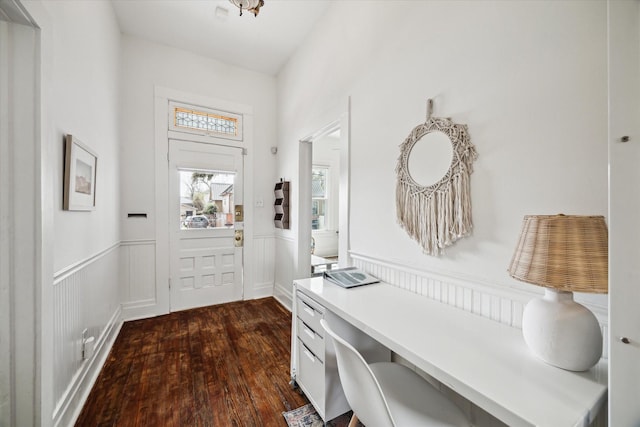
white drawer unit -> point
(313, 362)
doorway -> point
(324, 180)
(205, 187)
(168, 103)
(325, 202)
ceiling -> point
(263, 43)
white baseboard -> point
(71, 405)
(140, 310)
(283, 295)
(262, 290)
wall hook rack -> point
(281, 204)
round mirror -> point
(430, 158)
(427, 166)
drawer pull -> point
(308, 353)
(306, 307)
(308, 331)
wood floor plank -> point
(224, 365)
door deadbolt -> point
(239, 213)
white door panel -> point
(205, 266)
(204, 269)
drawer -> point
(310, 312)
(310, 376)
(311, 339)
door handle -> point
(238, 238)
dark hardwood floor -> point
(224, 365)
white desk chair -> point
(388, 394)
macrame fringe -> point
(438, 220)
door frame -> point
(305, 160)
(30, 375)
(162, 97)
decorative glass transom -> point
(208, 122)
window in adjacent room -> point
(319, 197)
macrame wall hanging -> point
(435, 213)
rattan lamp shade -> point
(564, 252)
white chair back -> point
(359, 384)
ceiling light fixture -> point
(252, 6)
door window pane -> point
(206, 199)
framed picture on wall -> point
(80, 164)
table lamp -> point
(563, 254)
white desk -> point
(485, 361)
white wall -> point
(80, 66)
(86, 70)
(147, 65)
(529, 79)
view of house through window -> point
(319, 196)
(206, 199)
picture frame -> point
(80, 164)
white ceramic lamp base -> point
(562, 332)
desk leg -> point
(294, 334)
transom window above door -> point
(206, 199)
(205, 121)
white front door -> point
(205, 185)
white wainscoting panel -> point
(138, 279)
(264, 249)
(504, 305)
(498, 305)
(85, 296)
(284, 268)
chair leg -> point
(354, 421)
